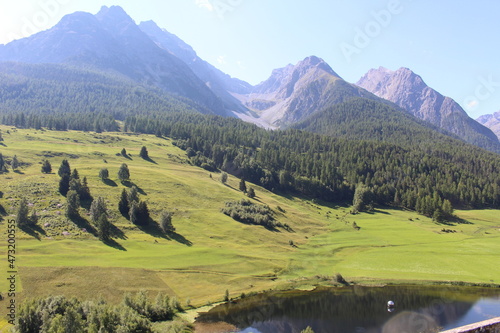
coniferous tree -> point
(64, 169)
(75, 174)
(144, 153)
(2, 164)
(143, 213)
(243, 186)
(124, 173)
(133, 194)
(22, 218)
(123, 204)
(362, 199)
(14, 163)
(223, 178)
(251, 193)
(166, 222)
(103, 228)
(104, 174)
(133, 212)
(124, 152)
(75, 185)
(46, 167)
(72, 204)
(85, 191)
(97, 209)
(64, 184)
(447, 208)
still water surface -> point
(360, 310)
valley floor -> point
(210, 252)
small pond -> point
(357, 310)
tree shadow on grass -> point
(19, 172)
(129, 184)
(454, 220)
(34, 231)
(84, 224)
(114, 244)
(149, 159)
(110, 182)
(179, 238)
(154, 230)
(117, 232)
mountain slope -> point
(54, 89)
(294, 92)
(364, 119)
(410, 92)
(111, 41)
(492, 121)
(221, 84)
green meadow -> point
(210, 252)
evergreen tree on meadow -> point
(22, 218)
(64, 169)
(166, 222)
(46, 167)
(104, 174)
(85, 190)
(251, 193)
(75, 174)
(123, 204)
(124, 173)
(144, 153)
(133, 194)
(223, 178)
(97, 208)
(64, 184)
(2, 164)
(124, 152)
(243, 186)
(15, 163)
(103, 228)
(72, 204)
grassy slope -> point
(211, 252)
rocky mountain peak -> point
(113, 14)
(408, 90)
(492, 121)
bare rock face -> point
(294, 92)
(492, 121)
(409, 91)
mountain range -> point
(111, 42)
(409, 91)
(492, 121)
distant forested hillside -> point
(421, 173)
(62, 97)
(361, 118)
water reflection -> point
(359, 310)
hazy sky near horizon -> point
(453, 45)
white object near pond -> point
(390, 304)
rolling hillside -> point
(211, 252)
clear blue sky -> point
(453, 44)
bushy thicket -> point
(60, 314)
(246, 211)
